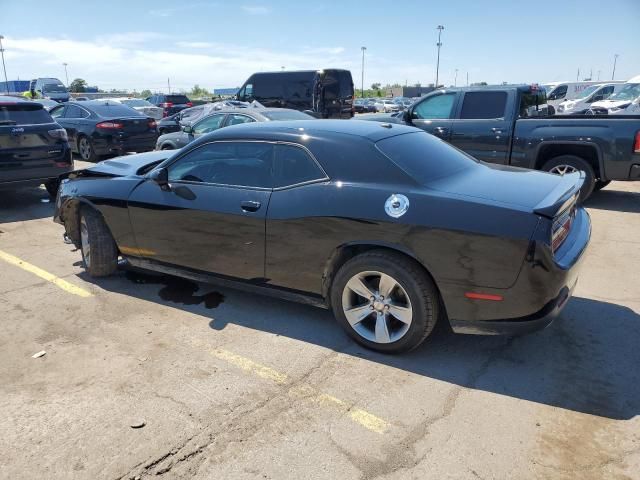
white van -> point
(567, 91)
(620, 100)
(595, 93)
(633, 109)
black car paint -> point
(28, 154)
(161, 100)
(607, 142)
(467, 241)
(137, 136)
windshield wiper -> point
(7, 122)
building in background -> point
(15, 87)
(225, 92)
(407, 91)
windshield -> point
(23, 114)
(287, 115)
(587, 91)
(113, 110)
(53, 88)
(134, 102)
(629, 92)
(424, 157)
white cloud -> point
(126, 61)
(256, 9)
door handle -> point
(441, 130)
(496, 130)
(250, 206)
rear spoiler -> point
(565, 193)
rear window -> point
(424, 157)
(287, 115)
(24, 114)
(176, 99)
(483, 105)
(113, 110)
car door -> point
(74, 118)
(57, 113)
(433, 114)
(211, 217)
(204, 126)
(481, 127)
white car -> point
(561, 91)
(140, 105)
(386, 105)
(629, 92)
(589, 95)
(633, 109)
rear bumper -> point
(117, 146)
(543, 288)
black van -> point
(327, 93)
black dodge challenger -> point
(390, 227)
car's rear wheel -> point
(385, 301)
(564, 164)
(86, 150)
(99, 251)
(167, 146)
(600, 184)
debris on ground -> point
(41, 353)
(138, 423)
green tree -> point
(146, 93)
(375, 86)
(198, 92)
(78, 85)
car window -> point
(267, 87)
(191, 114)
(439, 106)
(58, 111)
(208, 124)
(239, 119)
(227, 163)
(479, 105)
(24, 114)
(293, 165)
(73, 111)
(558, 93)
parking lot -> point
(156, 376)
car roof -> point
(373, 131)
(9, 99)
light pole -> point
(362, 79)
(455, 79)
(439, 44)
(615, 59)
(65, 74)
(6, 82)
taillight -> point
(58, 133)
(166, 104)
(152, 124)
(561, 227)
(636, 144)
(110, 125)
(189, 104)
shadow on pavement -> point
(616, 200)
(588, 361)
(27, 203)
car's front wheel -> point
(385, 301)
(99, 250)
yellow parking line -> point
(57, 281)
(304, 391)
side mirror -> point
(407, 115)
(161, 177)
(187, 129)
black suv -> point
(170, 103)
(33, 148)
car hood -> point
(129, 164)
(529, 190)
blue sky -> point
(138, 44)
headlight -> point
(59, 133)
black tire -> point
(52, 187)
(600, 184)
(101, 258)
(167, 146)
(85, 149)
(576, 163)
(422, 293)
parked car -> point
(51, 88)
(327, 93)
(170, 103)
(632, 109)
(98, 128)
(360, 105)
(140, 105)
(189, 116)
(510, 125)
(619, 100)
(405, 230)
(225, 118)
(580, 104)
(34, 149)
(47, 103)
(81, 99)
(386, 105)
(558, 92)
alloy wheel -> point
(563, 169)
(84, 242)
(377, 307)
(85, 148)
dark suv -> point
(33, 148)
(170, 103)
